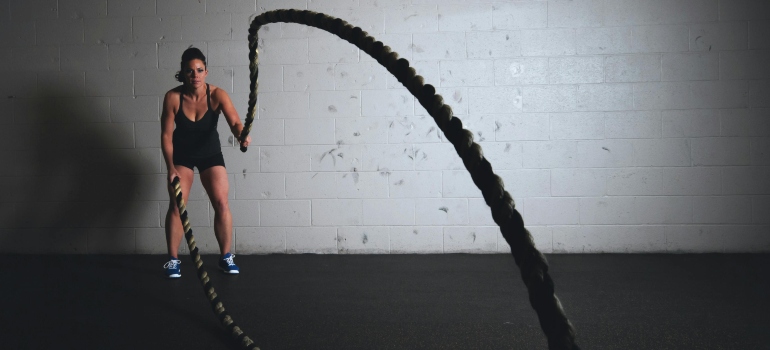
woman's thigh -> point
(215, 183)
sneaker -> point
(228, 265)
(172, 268)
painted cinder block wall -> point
(617, 125)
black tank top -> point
(196, 139)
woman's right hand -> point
(172, 173)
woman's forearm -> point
(236, 130)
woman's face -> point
(195, 73)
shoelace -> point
(172, 264)
(229, 260)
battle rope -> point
(532, 263)
(208, 288)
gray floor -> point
(705, 301)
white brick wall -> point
(617, 126)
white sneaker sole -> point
(229, 272)
(174, 275)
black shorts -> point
(202, 163)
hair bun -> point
(191, 54)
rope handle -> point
(247, 124)
(242, 139)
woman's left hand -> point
(247, 142)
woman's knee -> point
(221, 205)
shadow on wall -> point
(76, 179)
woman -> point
(194, 107)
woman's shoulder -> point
(175, 92)
(216, 90)
(217, 93)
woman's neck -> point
(194, 92)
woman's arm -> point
(231, 115)
(167, 133)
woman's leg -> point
(215, 182)
(174, 229)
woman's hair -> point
(192, 53)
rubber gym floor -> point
(457, 301)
